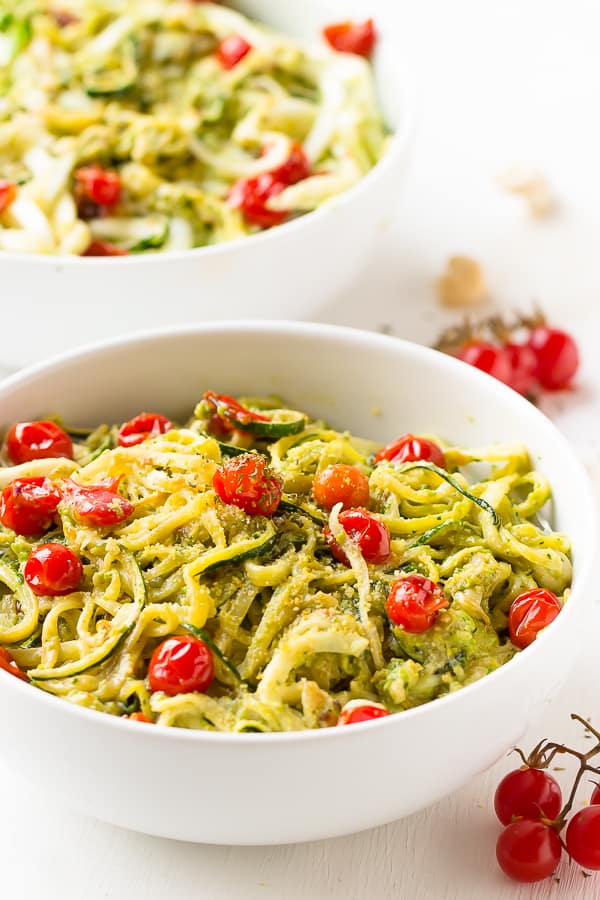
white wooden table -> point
(516, 82)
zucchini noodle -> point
(294, 634)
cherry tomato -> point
(8, 664)
(367, 531)
(37, 440)
(523, 364)
(251, 196)
(103, 248)
(97, 504)
(181, 665)
(527, 794)
(139, 717)
(583, 837)
(246, 481)
(8, 194)
(53, 570)
(341, 484)
(296, 168)
(361, 711)
(142, 427)
(414, 603)
(232, 50)
(352, 37)
(490, 359)
(28, 505)
(98, 185)
(233, 415)
(408, 448)
(595, 799)
(528, 850)
(529, 613)
(557, 357)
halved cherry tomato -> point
(8, 194)
(142, 427)
(53, 570)
(529, 613)
(367, 531)
(233, 415)
(98, 185)
(409, 448)
(352, 37)
(8, 664)
(103, 248)
(181, 665)
(139, 717)
(97, 504)
(251, 196)
(37, 440)
(28, 505)
(414, 603)
(341, 484)
(246, 481)
(361, 711)
(232, 50)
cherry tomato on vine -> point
(181, 665)
(232, 50)
(361, 711)
(142, 427)
(583, 837)
(251, 195)
(528, 850)
(98, 505)
(595, 798)
(231, 414)
(53, 570)
(246, 481)
(529, 613)
(8, 194)
(103, 248)
(339, 483)
(28, 505)
(408, 448)
(527, 793)
(488, 358)
(557, 357)
(37, 440)
(352, 37)
(414, 603)
(523, 366)
(98, 185)
(369, 533)
(8, 664)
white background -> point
(500, 83)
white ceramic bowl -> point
(56, 303)
(277, 788)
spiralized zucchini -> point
(136, 86)
(295, 634)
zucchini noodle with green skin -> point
(138, 88)
(295, 634)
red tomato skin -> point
(98, 185)
(37, 440)
(232, 50)
(103, 248)
(488, 358)
(181, 665)
(246, 481)
(8, 664)
(528, 794)
(231, 414)
(339, 483)
(529, 613)
(53, 570)
(28, 505)
(366, 712)
(414, 602)
(528, 850)
(595, 798)
(98, 505)
(296, 168)
(366, 530)
(409, 448)
(523, 364)
(8, 194)
(251, 196)
(557, 357)
(142, 427)
(352, 37)
(583, 837)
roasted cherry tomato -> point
(414, 603)
(8, 194)
(142, 427)
(246, 481)
(409, 448)
(98, 505)
(341, 484)
(528, 850)
(28, 505)
(9, 665)
(233, 415)
(37, 440)
(527, 794)
(557, 357)
(181, 665)
(232, 50)
(492, 360)
(103, 248)
(53, 570)
(583, 838)
(251, 195)
(98, 185)
(352, 37)
(530, 613)
(367, 531)
(139, 717)
(361, 711)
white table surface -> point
(501, 83)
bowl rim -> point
(347, 336)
